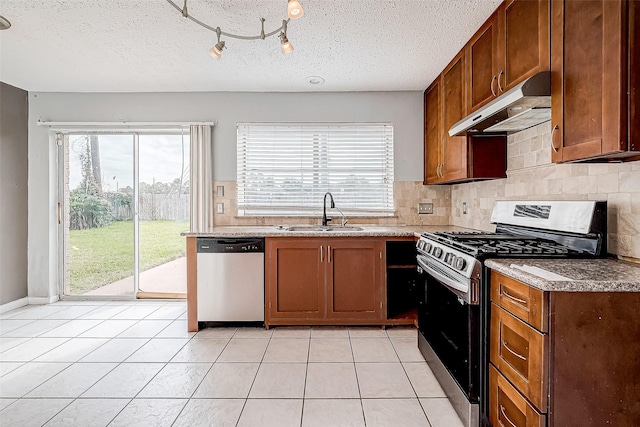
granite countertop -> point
(572, 275)
(367, 231)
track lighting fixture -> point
(285, 45)
(294, 11)
(216, 51)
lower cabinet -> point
(563, 358)
(323, 281)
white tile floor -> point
(99, 363)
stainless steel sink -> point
(321, 228)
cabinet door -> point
(526, 41)
(295, 279)
(507, 407)
(354, 279)
(484, 58)
(520, 354)
(454, 110)
(588, 85)
(432, 133)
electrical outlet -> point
(220, 191)
(425, 208)
(220, 208)
(464, 208)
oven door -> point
(451, 327)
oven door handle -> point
(422, 262)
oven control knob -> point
(427, 247)
(460, 263)
(437, 252)
(448, 258)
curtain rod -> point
(123, 123)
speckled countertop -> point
(367, 231)
(572, 275)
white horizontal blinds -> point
(285, 169)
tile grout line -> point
(254, 379)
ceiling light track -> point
(294, 11)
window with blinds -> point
(285, 169)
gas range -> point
(453, 316)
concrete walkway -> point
(170, 277)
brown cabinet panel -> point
(353, 279)
(507, 407)
(294, 279)
(321, 281)
(526, 303)
(454, 109)
(484, 58)
(432, 133)
(591, 53)
(520, 353)
(526, 40)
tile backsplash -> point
(532, 176)
(407, 194)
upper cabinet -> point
(511, 46)
(595, 77)
(454, 108)
(484, 56)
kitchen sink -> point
(321, 228)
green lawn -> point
(100, 256)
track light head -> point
(294, 9)
(285, 45)
(216, 51)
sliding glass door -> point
(124, 202)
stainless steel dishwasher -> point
(230, 280)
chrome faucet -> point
(325, 220)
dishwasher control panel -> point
(221, 245)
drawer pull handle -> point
(504, 414)
(321, 249)
(511, 297)
(516, 354)
(329, 254)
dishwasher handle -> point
(226, 245)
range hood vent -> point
(524, 106)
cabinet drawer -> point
(520, 353)
(527, 303)
(507, 407)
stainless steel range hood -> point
(524, 106)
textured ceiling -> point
(147, 46)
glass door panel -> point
(99, 215)
(163, 210)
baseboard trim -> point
(43, 300)
(14, 304)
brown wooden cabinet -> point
(594, 82)
(460, 158)
(454, 109)
(569, 358)
(323, 281)
(432, 133)
(511, 46)
(484, 56)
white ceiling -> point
(147, 46)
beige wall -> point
(531, 175)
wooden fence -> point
(156, 207)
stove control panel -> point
(451, 258)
